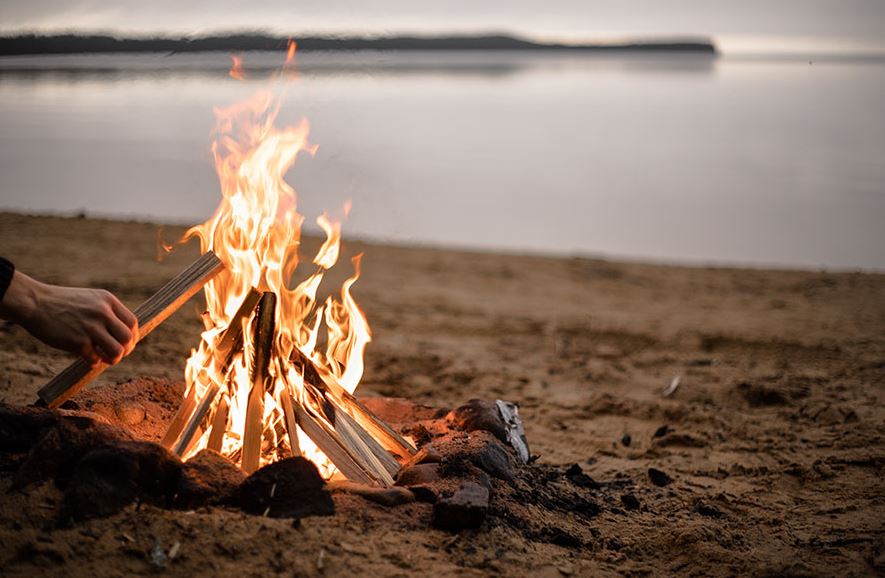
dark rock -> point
(626, 440)
(558, 536)
(60, 448)
(207, 478)
(418, 475)
(492, 458)
(424, 494)
(584, 507)
(22, 427)
(289, 488)
(709, 511)
(109, 478)
(661, 431)
(630, 502)
(466, 508)
(393, 496)
(477, 414)
(762, 395)
(658, 477)
(577, 476)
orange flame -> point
(256, 231)
(236, 68)
(290, 52)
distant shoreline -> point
(29, 44)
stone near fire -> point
(289, 488)
(481, 449)
(418, 474)
(466, 508)
(478, 414)
(61, 446)
(109, 478)
(22, 427)
(130, 412)
(392, 496)
(207, 478)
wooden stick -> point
(375, 426)
(265, 327)
(231, 340)
(194, 422)
(359, 445)
(150, 314)
(330, 444)
(291, 423)
(219, 425)
(181, 416)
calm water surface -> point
(763, 162)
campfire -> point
(275, 370)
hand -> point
(89, 322)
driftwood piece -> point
(515, 432)
(150, 314)
(265, 328)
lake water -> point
(685, 159)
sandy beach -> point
(775, 436)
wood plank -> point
(265, 330)
(150, 314)
(375, 426)
(195, 419)
(231, 341)
(291, 423)
(181, 416)
(329, 444)
(219, 425)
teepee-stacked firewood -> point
(360, 444)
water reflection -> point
(668, 158)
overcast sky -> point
(741, 24)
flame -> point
(290, 51)
(236, 68)
(256, 231)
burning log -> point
(371, 423)
(150, 314)
(330, 444)
(291, 423)
(195, 420)
(230, 342)
(265, 327)
(219, 425)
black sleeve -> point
(7, 270)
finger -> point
(108, 348)
(120, 332)
(123, 313)
(88, 353)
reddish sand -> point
(775, 433)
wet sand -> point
(775, 436)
